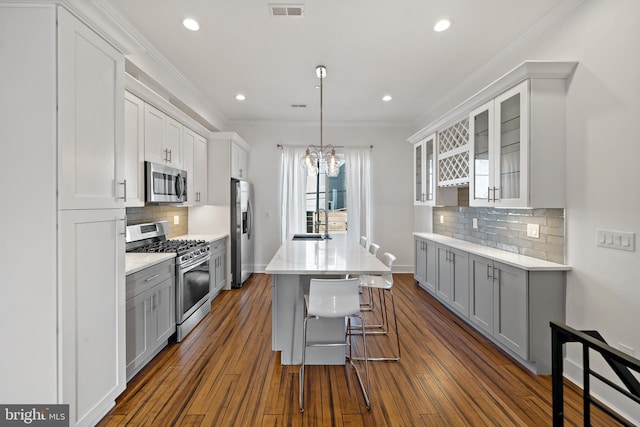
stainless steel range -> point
(193, 276)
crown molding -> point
(524, 71)
(326, 124)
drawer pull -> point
(148, 279)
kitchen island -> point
(292, 268)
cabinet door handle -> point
(166, 155)
(488, 194)
(170, 156)
(148, 279)
(124, 220)
(124, 183)
(489, 274)
(496, 274)
(495, 189)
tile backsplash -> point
(151, 213)
(506, 229)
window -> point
(337, 202)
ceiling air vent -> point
(286, 9)
(298, 105)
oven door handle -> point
(190, 265)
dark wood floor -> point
(225, 374)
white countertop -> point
(135, 261)
(335, 256)
(206, 237)
(520, 261)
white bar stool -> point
(333, 298)
(383, 284)
(369, 305)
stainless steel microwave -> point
(165, 184)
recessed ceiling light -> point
(240, 97)
(442, 25)
(387, 98)
(191, 24)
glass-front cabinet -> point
(424, 171)
(499, 148)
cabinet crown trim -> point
(524, 71)
(230, 136)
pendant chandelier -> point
(323, 156)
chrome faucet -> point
(326, 224)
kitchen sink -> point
(308, 236)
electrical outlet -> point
(441, 219)
(176, 219)
(475, 222)
(533, 230)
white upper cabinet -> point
(515, 155)
(499, 148)
(162, 138)
(227, 158)
(195, 163)
(200, 183)
(134, 150)
(517, 147)
(424, 171)
(91, 102)
(425, 168)
(239, 161)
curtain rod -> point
(335, 146)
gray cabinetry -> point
(420, 261)
(481, 293)
(425, 264)
(511, 308)
(511, 305)
(452, 283)
(499, 302)
(219, 263)
(150, 317)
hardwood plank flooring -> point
(225, 374)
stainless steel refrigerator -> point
(242, 235)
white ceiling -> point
(370, 48)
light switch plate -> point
(475, 222)
(533, 230)
(623, 240)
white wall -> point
(391, 180)
(603, 153)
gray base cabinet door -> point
(481, 289)
(432, 266)
(420, 263)
(444, 274)
(151, 314)
(151, 320)
(460, 284)
(219, 265)
(511, 301)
